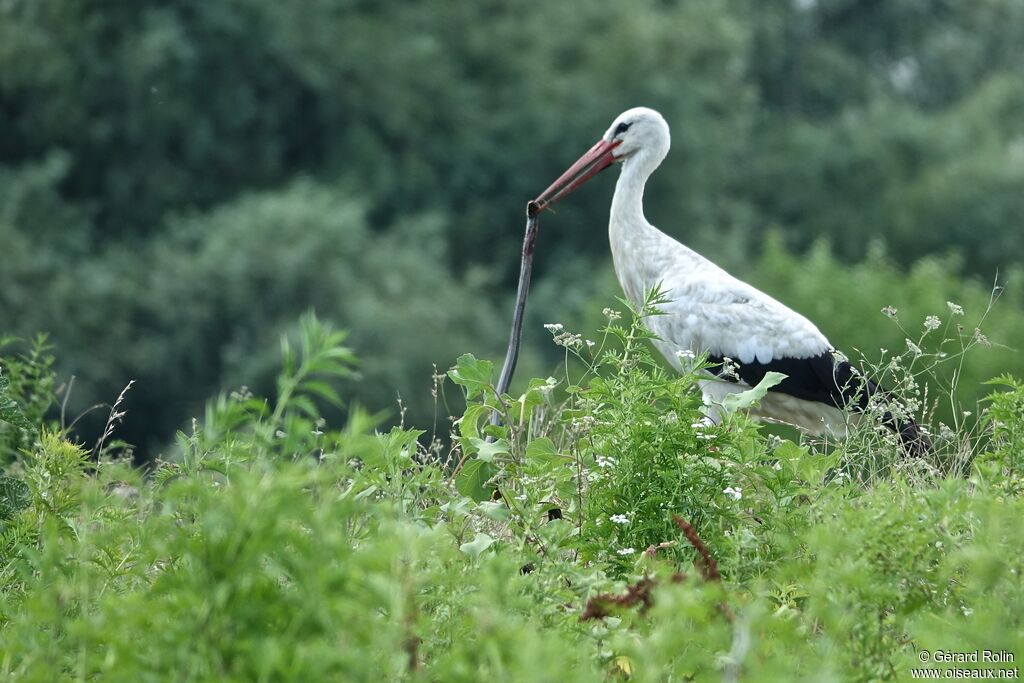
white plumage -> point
(710, 311)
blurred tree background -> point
(180, 180)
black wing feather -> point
(823, 379)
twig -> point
(525, 269)
(64, 404)
(113, 419)
(707, 566)
(639, 593)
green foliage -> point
(281, 548)
(27, 391)
(14, 497)
(179, 183)
(870, 307)
(10, 412)
(651, 454)
(181, 180)
(218, 289)
(1005, 418)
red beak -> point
(586, 167)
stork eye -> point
(622, 128)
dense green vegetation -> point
(179, 181)
(202, 478)
(279, 548)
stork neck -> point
(628, 200)
(637, 246)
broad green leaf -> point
(469, 424)
(536, 395)
(473, 374)
(752, 396)
(479, 544)
(471, 481)
(541, 448)
(488, 451)
(456, 508)
(789, 451)
(499, 512)
(809, 467)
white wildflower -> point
(914, 348)
(549, 385)
(619, 519)
(890, 311)
(611, 314)
(685, 354)
(553, 328)
(955, 309)
(626, 551)
(980, 338)
(730, 368)
(584, 422)
(734, 493)
(590, 344)
(932, 322)
(569, 340)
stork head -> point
(639, 134)
(638, 131)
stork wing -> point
(715, 313)
(718, 314)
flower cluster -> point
(549, 386)
(584, 423)
(569, 340)
(734, 493)
(730, 369)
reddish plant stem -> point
(525, 271)
(707, 565)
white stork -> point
(710, 311)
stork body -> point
(711, 312)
